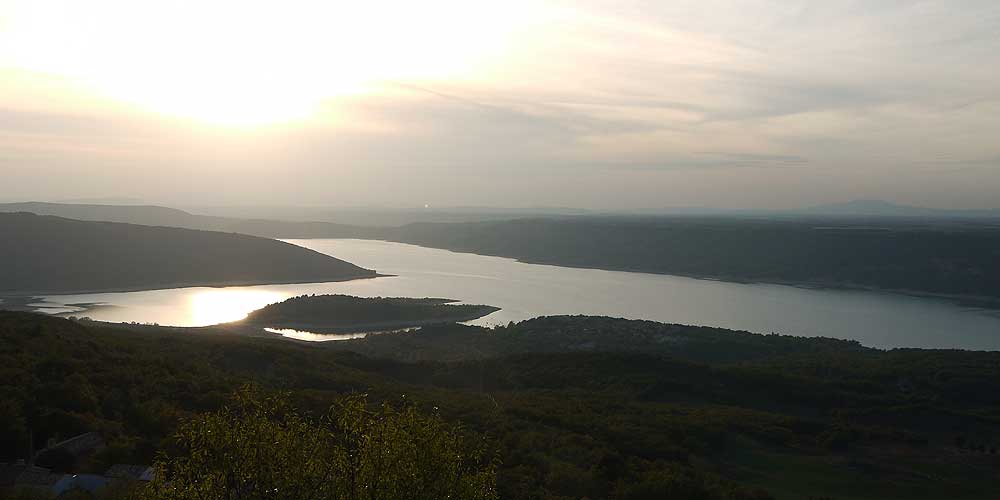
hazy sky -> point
(599, 104)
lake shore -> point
(977, 301)
(523, 291)
(370, 326)
(20, 295)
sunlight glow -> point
(327, 337)
(247, 63)
(315, 337)
(212, 307)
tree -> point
(262, 448)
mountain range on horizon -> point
(853, 208)
(264, 221)
(885, 208)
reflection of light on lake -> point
(315, 337)
(326, 337)
(211, 307)
(529, 290)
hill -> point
(340, 313)
(583, 334)
(149, 215)
(44, 254)
(744, 416)
(862, 245)
(914, 256)
(849, 209)
(882, 208)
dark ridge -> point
(45, 254)
(340, 312)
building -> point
(131, 472)
(78, 446)
(36, 480)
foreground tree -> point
(261, 448)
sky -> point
(583, 103)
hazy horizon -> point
(597, 105)
(267, 210)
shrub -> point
(261, 447)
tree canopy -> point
(261, 447)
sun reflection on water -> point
(212, 307)
(315, 337)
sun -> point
(246, 63)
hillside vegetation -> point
(935, 255)
(55, 255)
(720, 415)
(950, 256)
(344, 312)
(262, 447)
(919, 255)
(164, 216)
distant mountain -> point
(855, 208)
(695, 211)
(947, 257)
(111, 200)
(881, 208)
(279, 222)
(45, 254)
(384, 216)
(149, 215)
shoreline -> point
(367, 327)
(5, 295)
(978, 301)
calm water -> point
(528, 290)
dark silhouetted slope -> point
(163, 216)
(881, 208)
(52, 254)
(572, 414)
(880, 253)
(346, 312)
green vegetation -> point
(343, 312)
(50, 254)
(261, 447)
(572, 334)
(946, 255)
(712, 414)
(939, 257)
(163, 216)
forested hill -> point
(150, 215)
(920, 255)
(710, 414)
(944, 255)
(577, 334)
(52, 254)
(344, 312)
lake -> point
(528, 290)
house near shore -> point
(66, 455)
(78, 446)
(43, 483)
(131, 472)
(38, 481)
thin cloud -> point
(588, 102)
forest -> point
(711, 414)
(56, 255)
(948, 256)
(952, 257)
(330, 313)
